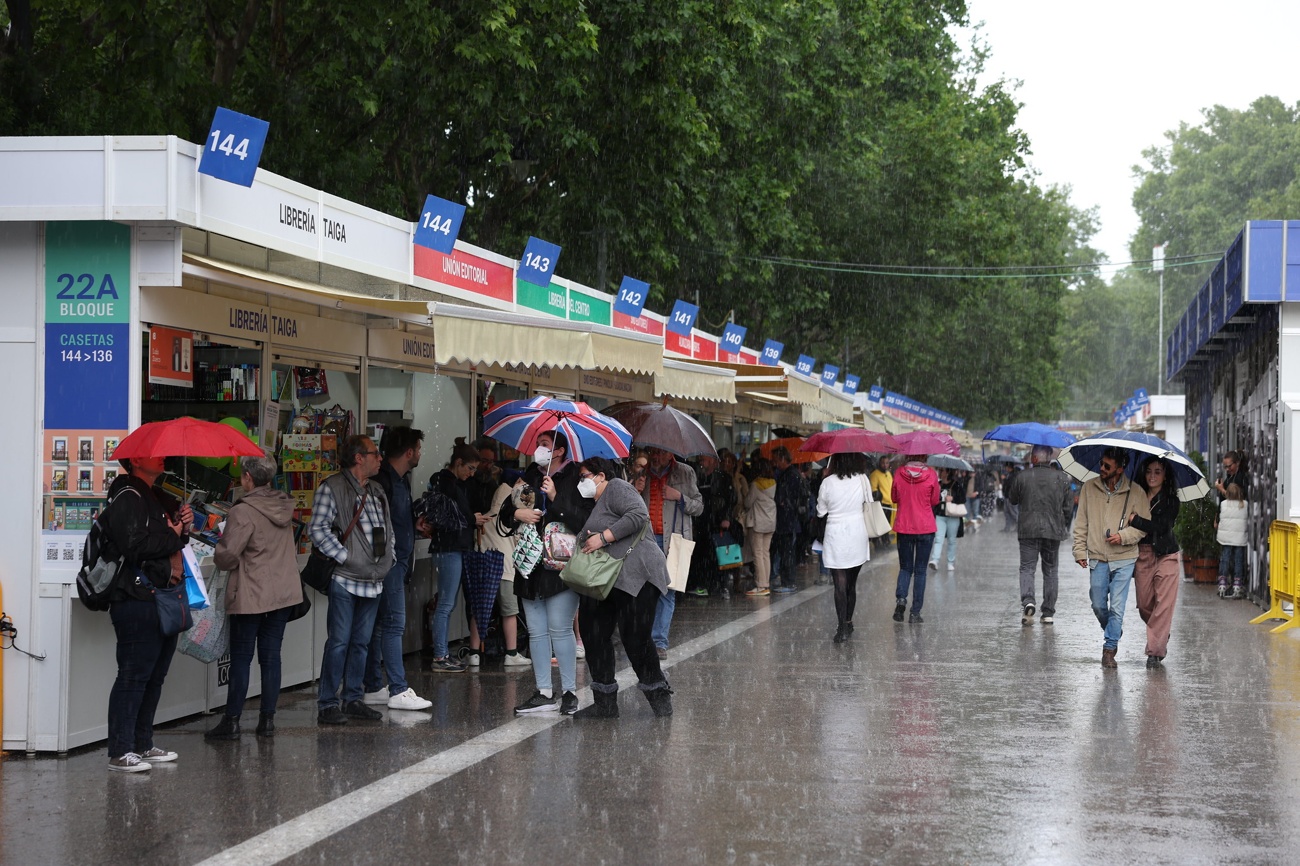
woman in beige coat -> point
(257, 549)
(760, 523)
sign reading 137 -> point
(234, 147)
(439, 224)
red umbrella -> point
(926, 442)
(186, 437)
(851, 440)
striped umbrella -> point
(518, 423)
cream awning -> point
(239, 276)
(837, 404)
(695, 382)
(481, 336)
(803, 390)
(870, 421)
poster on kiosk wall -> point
(171, 357)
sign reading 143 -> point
(234, 147)
(439, 224)
(538, 263)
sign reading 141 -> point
(233, 147)
(439, 225)
(683, 318)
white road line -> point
(320, 823)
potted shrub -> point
(1195, 532)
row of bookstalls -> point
(139, 290)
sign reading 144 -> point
(233, 147)
(439, 225)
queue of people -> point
(366, 518)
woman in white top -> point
(845, 546)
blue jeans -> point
(913, 551)
(348, 626)
(664, 609)
(386, 643)
(449, 570)
(143, 657)
(1109, 593)
(266, 631)
(946, 527)
(550, 633)
(1232, 564)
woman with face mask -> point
(549, 606)
(448, 545)
(620, 523)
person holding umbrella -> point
(673, 498)
(138, 526)
(549, 605)
(916, 493)
(1106, 544)
(1156, 574)
(845, 546)
(1045, 502)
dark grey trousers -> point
(1031, 550)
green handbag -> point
(594, 574)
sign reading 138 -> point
(233, 147)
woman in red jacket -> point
(916, 492)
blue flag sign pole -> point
(683, 318)
(771, 353)
(233, 147)
(538, 264)
(439, 224)
(631, 297)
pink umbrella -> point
(851, 440)
(926, 442)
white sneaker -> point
(950, 566)
(377, 698)
(582, 651)
(518, 660)
(408, 700)
(158, 756)
(129, 763)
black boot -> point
(226, 729)
(661, 700)
(265, 725)
(841, 634)
(605, 706)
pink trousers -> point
(1156, 580)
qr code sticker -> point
(51, 554)
(69, 554)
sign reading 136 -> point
(234, 147)
(439, 224)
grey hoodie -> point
(257, 549)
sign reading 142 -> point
(631, 297)
(233, 147)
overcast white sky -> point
(1103, 81)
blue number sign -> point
(439, 225)
(805, 364)
(733, 337)
(683, 318)
(233, 147)
(771, 353)
(876, 394)
(830, 374)
(631, 297)
(851, 384)
(538, 264)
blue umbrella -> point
(1031, 433)
(1082, 459)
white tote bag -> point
(680, 550)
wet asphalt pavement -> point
(967, 739)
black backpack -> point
(100, 563)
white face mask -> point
(542, 455)
(587, 488)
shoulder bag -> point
(319, 570)
(873, 515)
(594, 574)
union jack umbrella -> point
(518, 423)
